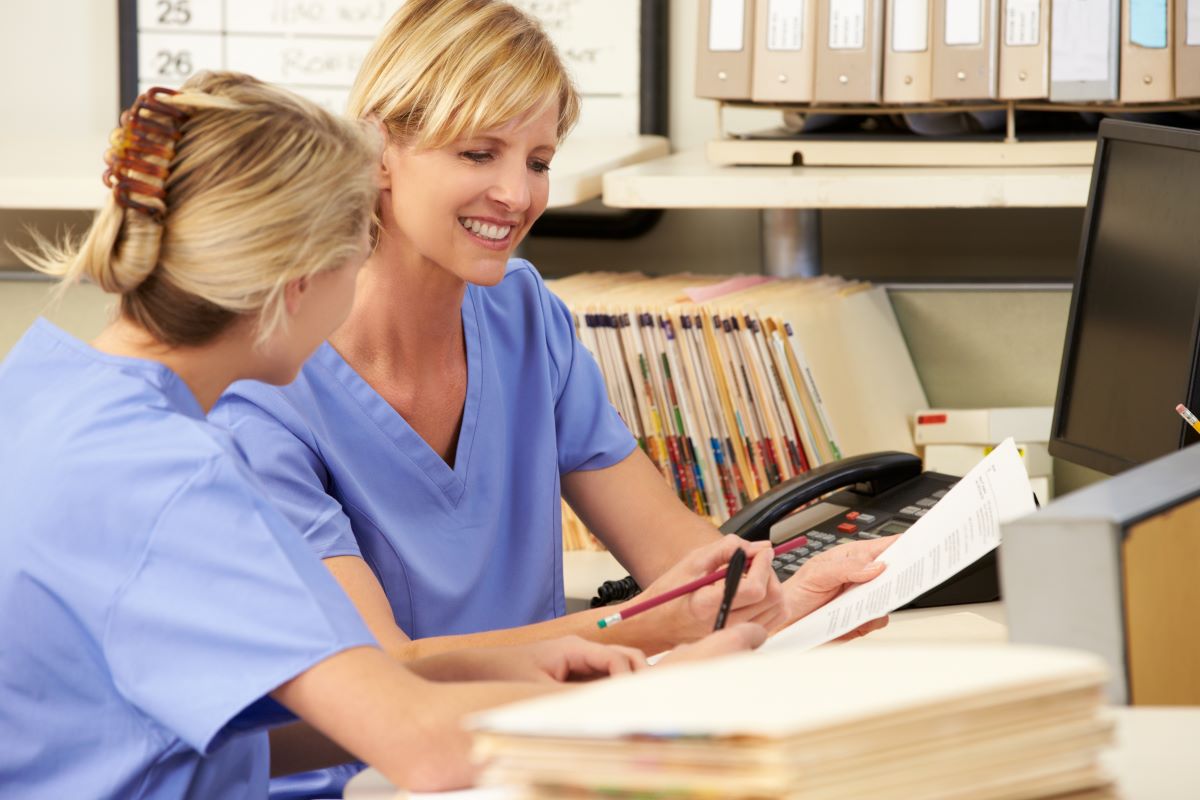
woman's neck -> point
(407, 313)
(207, 370)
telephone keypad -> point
(853, 526)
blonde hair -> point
(263, 188)
(446, 69)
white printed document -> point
(962, 528)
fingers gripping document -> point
(959, 530)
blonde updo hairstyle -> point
(443, 70)
(263, 188)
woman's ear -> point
(383, 177)
(293, 295)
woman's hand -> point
(826, 575)
(567, 658)
(759, 597)
(573, 658)
(734, 639)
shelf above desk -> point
(579, 167)
(688, 180)
(67, 175)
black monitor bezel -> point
(1140, 133)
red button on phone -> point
(847, 527)
(853, 515)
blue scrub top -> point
(152, 595)
(457, 550)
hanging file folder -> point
(907, 59)
(723, 52)
(784, 51)
(849, 51)
(1084, 47)
(1025, 50)
(1187, 48)
(1147, 61)
(965, 54)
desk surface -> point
(1153, 760)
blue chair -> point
(321, 784)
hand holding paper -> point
(960, 529)
(828, 574)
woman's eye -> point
(477, 156)
(540, 167)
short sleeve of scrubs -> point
(225, 605)
(277, 444)
(591, 434)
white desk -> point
(1151, 761)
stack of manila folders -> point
(793, 720)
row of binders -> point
(733, 385)
(927, 51)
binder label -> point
(964, 23)
(910, 26)
(726, 25)
(847, 24)
(1193, 23)
(1148, 23)
(1080, 47)
(1022, 23)
(785, 24)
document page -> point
(962, 528)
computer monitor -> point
(1131, 347)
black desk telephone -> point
(862, 497)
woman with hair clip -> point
(423, 451)
(157, 604)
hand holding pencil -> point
(760, 598)
(730, 574)
(695, 588)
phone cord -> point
(611, 592)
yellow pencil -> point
(1188, 416)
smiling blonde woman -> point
(425, 450)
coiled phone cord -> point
(611, 592)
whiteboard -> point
(314, 48)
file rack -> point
(784, 148)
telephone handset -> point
(861, 497)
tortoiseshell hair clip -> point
(149, 127)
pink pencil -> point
(687, 588)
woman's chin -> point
(488, 274)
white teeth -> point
(485, 230)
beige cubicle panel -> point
(1113, 569)
(82, 312)
(1160, 560)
